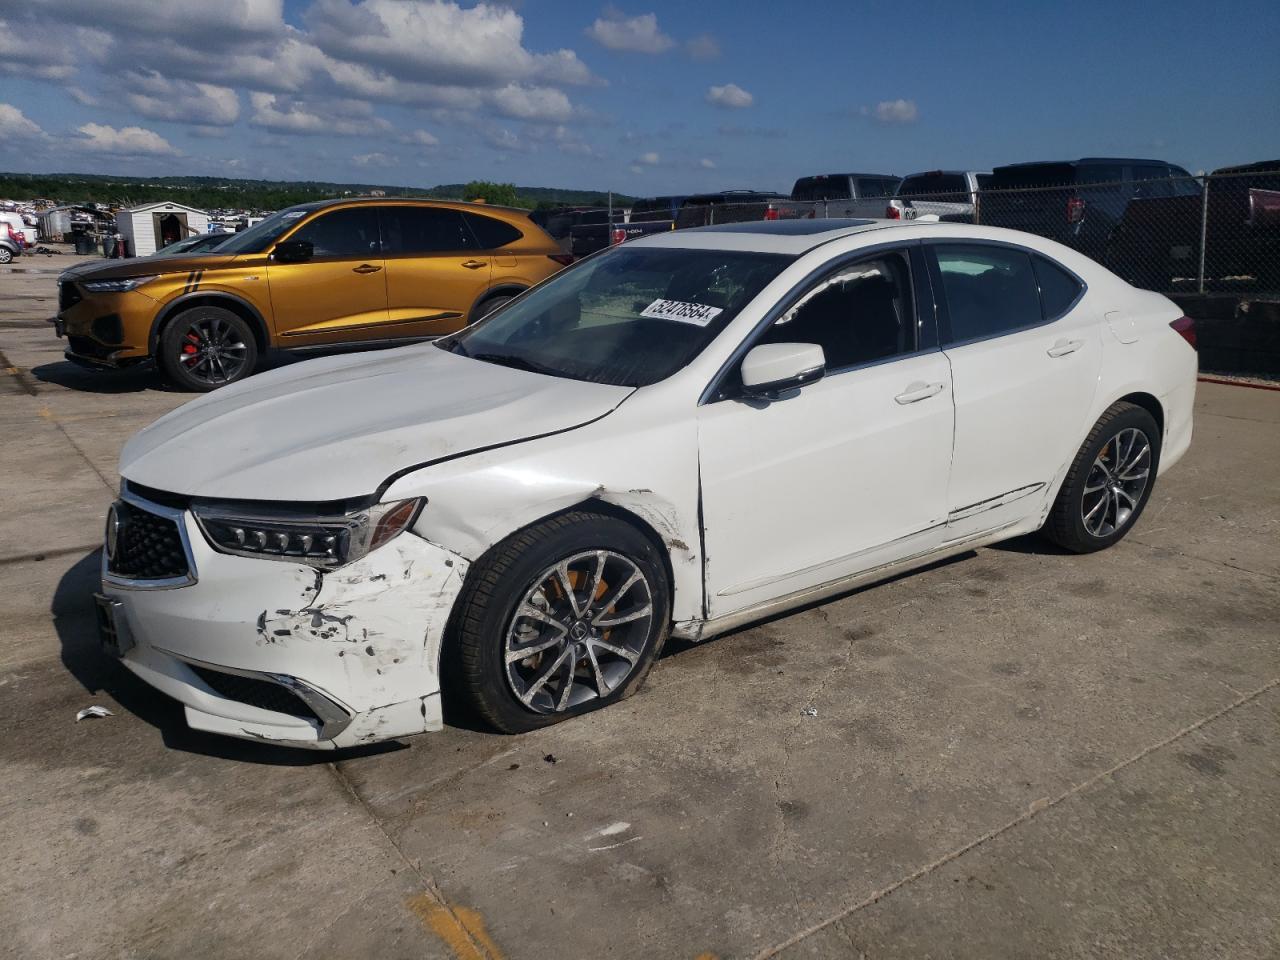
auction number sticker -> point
(696, 313)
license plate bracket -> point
(113, 627)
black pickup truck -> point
(643, 217)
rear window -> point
(1033, 175)
(1058, 289)
(876, 187)
(821, 188)
(932, 183)
(492, 233)
(1100, 173)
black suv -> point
(1078, 202)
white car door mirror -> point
(771, 368)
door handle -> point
(366, 268)
(918, 391)
(1064, 347)
(474, 264)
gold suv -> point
(311, 276)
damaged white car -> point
(681, 435)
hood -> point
(113, 269)
(338, 427)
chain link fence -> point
(1212, 234)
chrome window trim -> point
(165, 583)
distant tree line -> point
(219, 192)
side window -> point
(491, 233)
(1058, 289)
(1152, 181)
(352, 232)
(424, 230)
(860, 313)
(989, 290)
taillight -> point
(892, 213)
(1186, 328)
(564, 259)
(771, 212)
(1075, 210)
(618, 235)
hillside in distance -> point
(227, 192)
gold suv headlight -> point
(115, 286)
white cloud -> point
(532, 103)
(730, 97)
(375, 159)
(438, 42)
(706, 163)
(704, 47)
(158, 98)
(636, 168)
(893, 111)
(649, 159)
(340, 117)
(125, 141)
(638, 34)
(420, 138)
(14, 125)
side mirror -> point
(771, 368)
(293, 251)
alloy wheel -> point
(1117, 480)
(212, 350)
(578, 632)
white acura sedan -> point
(680, 435)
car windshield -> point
(629, 317)
(266, 232)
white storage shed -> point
(153, 225)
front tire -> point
(487, 307)
(207, 347)
(1109, 482)
(559, 619)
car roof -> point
(429, 201)
(764, 236)
(827, 176)
(1083, 161)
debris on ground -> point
(94, 711)
(809, 711)
(551, 758)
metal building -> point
(153, 225)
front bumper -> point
(106, 330)
(270, 650)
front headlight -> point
(327, 542)
(116, 286)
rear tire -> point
(207, 347)
(6, 255)
(1109, 481)
(595, 641)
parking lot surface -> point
(1017, 753)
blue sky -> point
(643, 98)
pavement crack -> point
(429, 887)
(836, 919)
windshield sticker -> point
(695, 313)
(293, 215)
